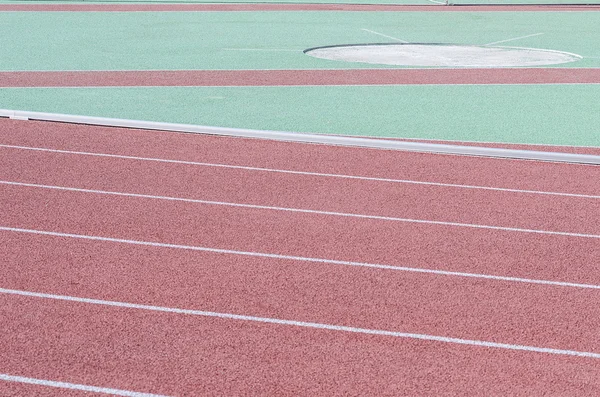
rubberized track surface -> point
(453, 273)
(224, 78)
(284, 7)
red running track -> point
(312, 158)
(225, 78)
(286, 7)
(176, 354)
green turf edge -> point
(526, 114)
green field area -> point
(267, 40)
(550, 114)
(543, 114)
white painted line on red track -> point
(305, 324)
(299, 258)
(74, 386)
(305, 173)
(305, 211)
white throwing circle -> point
(442, 55)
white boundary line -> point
(302, 258)
(306, 173)
(305, 211)
(73, 386)
(385, 35)
(513, 39)
(304, 324)
(311, 138)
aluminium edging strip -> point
(310, 138)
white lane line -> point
(306, 211)
(300, 258)
(325, 175)
(305, 324)
(385, 35)
(513, 39)
(73, 386)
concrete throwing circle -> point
(442, 55)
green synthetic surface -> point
(266, 40)
(550, 114)
(543, 114)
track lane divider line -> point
(306, 173)
(301, 258)
(304, 324)
(74, 386)
(305, 211)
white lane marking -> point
(513, 39)
(305, 324)
(301, 258)
(306, 173)
(261, 49)
(73, 386)
(385, 35)
(306, 211)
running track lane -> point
(222, 228)
(504, 253)
(567, 178)
(467, 308)
(572, 301)
(188, 355)
(225, 78)
(102, 175)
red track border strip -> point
(223, 78)
(286, 7)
